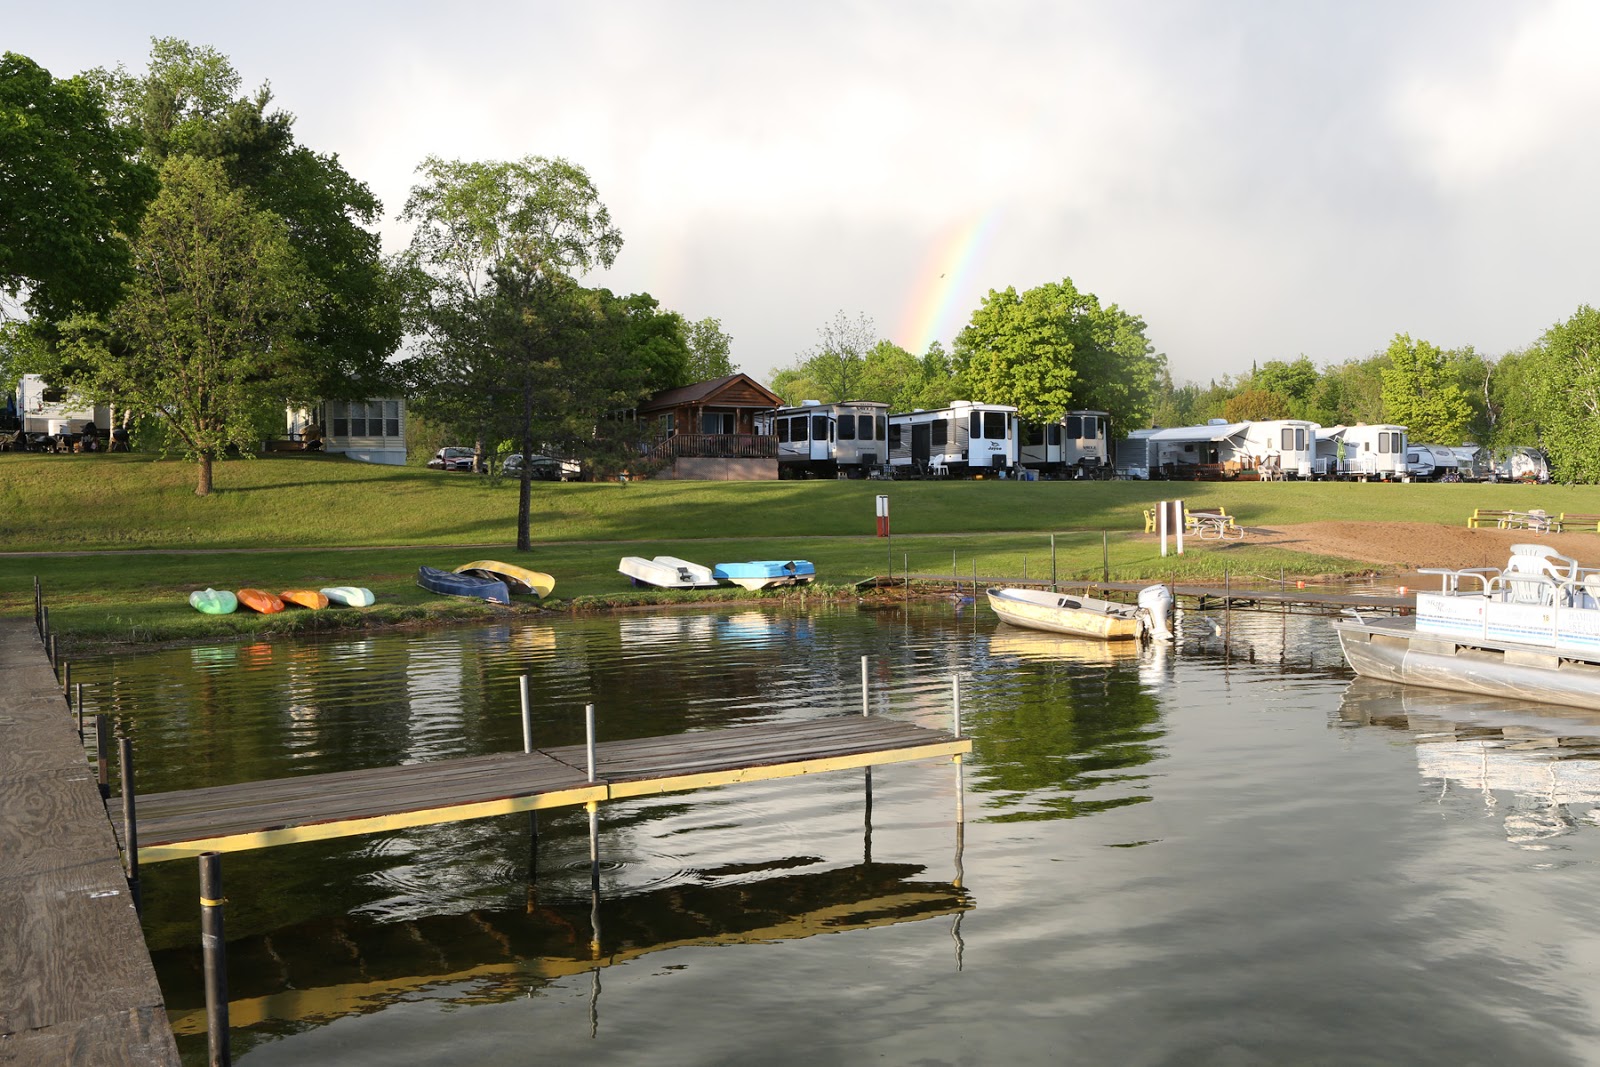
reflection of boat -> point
(1061, 648)
(447, 583)
(653, 631)
(1061, 613)
(667, 572)
(1547, 757)
(517, 579)
(213, 601)
(766, 573)
(288, 975)
(1530, 631)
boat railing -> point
(1450, 580)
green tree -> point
(1255, 405)
(72, 192)
(838, 362)
(648, 345)
(1566, 367)
(1514, 408)
(1418, 393)
(710, 351)
(207, 331)
(493, 255)
(1053, 348)
(890, 375)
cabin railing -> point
(718, 446)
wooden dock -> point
(76, 981)
(1204, 597)
(315, 807)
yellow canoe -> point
(517, 579)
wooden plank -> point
(135, 1037)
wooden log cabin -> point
(707, 431)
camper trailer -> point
(1282, 448)
(1432, 463)
(1370, 453)
(1072, 447)
(1522, 464)
(964, 438)
(817, 440)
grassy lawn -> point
(315, 521)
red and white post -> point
(883, 515)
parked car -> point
(544, 468)
(452, 458)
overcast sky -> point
(1256, 180)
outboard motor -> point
(1155, 604)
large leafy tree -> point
(838, 362)
(710, 350)
(1566, 368)
(1421, 393)
(1052, 348)
(189, 102)
(72, 191)
(209, 326)
(493, 255)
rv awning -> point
(1194, 434)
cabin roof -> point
(730, 391)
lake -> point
(1224, 851)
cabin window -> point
(1074, 428)
(939, 432)
(799, 425)
(783, 431)
(716, 422)
(847, 427)
(994, 425)
(819, 428)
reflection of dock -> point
(342, 804)
(290, 975)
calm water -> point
(1225, 852)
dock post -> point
(50, 652)
(594, 811)
(38, 603)
(1105, 557)
(102, 742)
(1052, 563)
(44, 615)
(66, 679)
(865, 709)
(527, 748)
(214, 948)
(80, 711)
(130, 822)
(961, 777)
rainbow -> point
(930, 314)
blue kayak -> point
(448, 583)
(765, 573)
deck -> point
(316, 807)
(76, 981)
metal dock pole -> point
(214, 947)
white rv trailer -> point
(1432, 463)
(1280, 448)
(1371, 453)
(1523, 464)
(964, 438)
(1073, 446)
(818, 440)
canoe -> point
(1060, 613)
(349, 596)
(766, 573)
(448, 583)
(213, 601)
(260, 600)
(304, 598)
(517, 579)
(667, 572)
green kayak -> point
(213, 601)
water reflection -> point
(1536, 767)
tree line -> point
(169, 248)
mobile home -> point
(829, 440)
(964, 438)
(1073, 446)
(1371, 453)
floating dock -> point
(1203, 597)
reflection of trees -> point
(1045, 736)
(313, 972)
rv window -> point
(1300, 439)
(1055, 433)
(847, 427)
(1074, 427)
(783, 431)
(938, 432)
(883, 427)
(1032, 434)
(1288, 439)
(1091, 427)
(798, 426)
(894, 436)
(819, 428)
(975, 425)
(994, 425)
(864, 427)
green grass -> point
(314, 521)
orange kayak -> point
(260, 600)
(304, 598)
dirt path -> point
(1404, 546)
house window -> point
(391, 418)
(358, 419)
(341, 421)
(716, 422)
(847, 427)
(668, 424)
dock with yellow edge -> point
(248, 815)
